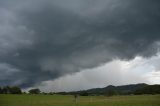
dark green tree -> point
(84, 93)
(34, 91)
(15, 90)
(6, 90)
(0, 90)
(111, 92)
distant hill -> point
(113, 90)
(150, 89)
(110, 90)
(124, 89)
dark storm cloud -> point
(43, 40)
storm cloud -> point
(43, 40)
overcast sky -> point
(65, 45)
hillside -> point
(151, 89)
(122, 90)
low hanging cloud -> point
(45, 40)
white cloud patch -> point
(153, 77)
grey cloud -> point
(49, 39)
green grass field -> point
(59, 100)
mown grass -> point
(59, 100)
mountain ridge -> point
(117, 90)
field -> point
(59, 100)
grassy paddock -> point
(59, 100)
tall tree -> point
(34, 91)
(6, 90)
(0, 90)
(15, 90)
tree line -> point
(10, 90)
(17, 90)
